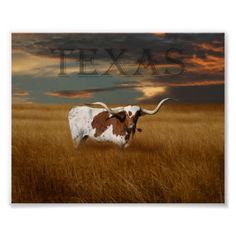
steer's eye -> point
(121, 116)
(138, 113)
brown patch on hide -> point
(101, 122)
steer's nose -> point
(131, 126)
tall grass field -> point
(177, 158)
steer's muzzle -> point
(131, 130)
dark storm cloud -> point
(194, 47)
(40, 44)
(199, 94)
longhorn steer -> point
(115, 125)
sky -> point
(117, 68)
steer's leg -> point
(76, 142)
(79, 141)
(84, 139)
(125, 146)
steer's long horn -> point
(105, 106)
(152, 112)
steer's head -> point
(128, 116)
(125, 118)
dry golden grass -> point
(179, 157)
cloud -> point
(160, 34)
(209, 64)
(216, 46)
(24, 63)
(150, 92)
(71, 94)
(20, 96)
(86, 93)
(199, 94)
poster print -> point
(118, 118)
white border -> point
(117, 16)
